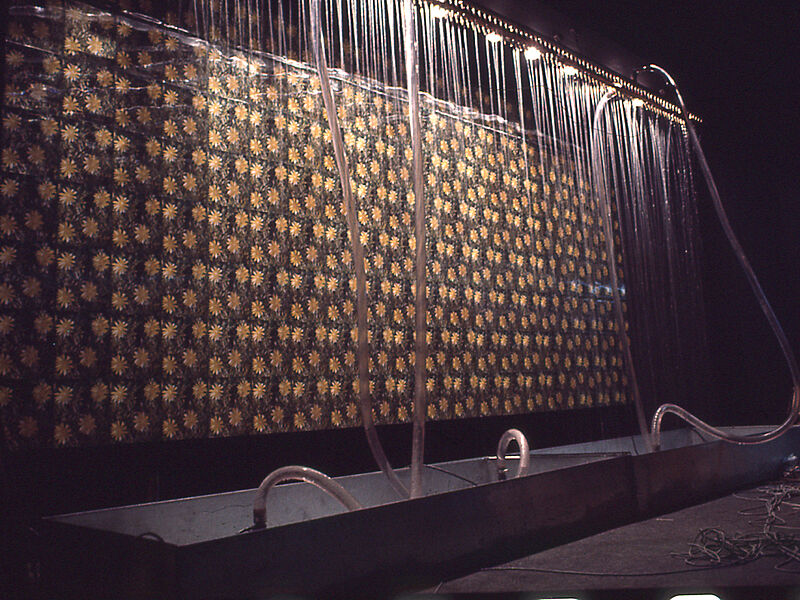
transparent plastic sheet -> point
(177, 263)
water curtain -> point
(766, 308)
(178, 261)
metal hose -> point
(757, 290)
(295, 473)
(513, 435)
(358, 254)
(599, 180)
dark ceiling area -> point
(736, 65)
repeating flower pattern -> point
(175, 263)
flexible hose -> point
(757, 290)
(600, 182)
(358, 254)
(421, 342)
(513, 435)
(295, 473)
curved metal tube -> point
(513, 435)
(757, 290)
(295, 473)
(421, 342)
(358, 254)
(599, 177)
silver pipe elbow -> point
(513, 435)
(296, 473)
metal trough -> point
(191, 548)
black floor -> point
(644, 560)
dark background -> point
(736, 64)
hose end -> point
(260, 516)
(256, 526)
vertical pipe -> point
(358, 253)
(421, 342)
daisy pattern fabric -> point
(174, 259)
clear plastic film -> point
(177, 262)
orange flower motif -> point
(119, 430)
(216, 425)
(141, 422)
(29, 356)
(169, 364)
(215, 365)
(28, 427)
(170, 185)
(190, 421)
(87, 424)
(119, 365)
(170, 393)
(63, 365)
(199, 390)
(259, 423)
(119, 394)
(62, 434)
(169, 428)
(9, 188)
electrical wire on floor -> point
(715, 547)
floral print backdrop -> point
(174, 260)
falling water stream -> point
(532, 115)
(506, 273)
